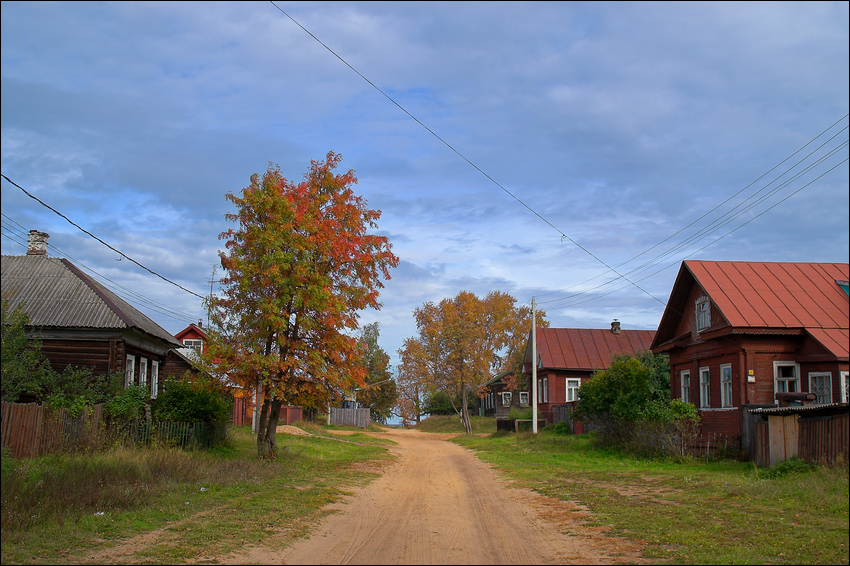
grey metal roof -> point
(57, 294)
(830, 408)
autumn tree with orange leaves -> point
(298, 267)
(462, 342)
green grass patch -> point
(450, 424)
(64, 508)
(686, 512)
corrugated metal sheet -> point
(57, 294)
(588, 349)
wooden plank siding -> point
(824, 440)
(350, 417)
(31, 430)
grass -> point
(76, 509)
(686, 512)
(69, 508)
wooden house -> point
(742, 335)
(567, 357)
(80, 322)
(500, 399)
(184, 359)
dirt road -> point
(439, 504)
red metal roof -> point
(776, 295)
(588, 349)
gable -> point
(759, 295)
(58, 295)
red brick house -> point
(567, 357)
(741, 335)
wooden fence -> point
(816, 434)
(350, 417)
(32, 430)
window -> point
(786, 377)
(129, 370)
(685, 378)
(154, 378)
(845, 386)
(704, 387)
(703, 313)
(143, 372)
(543, 390)
(820, 383)
(194, 343)
(523, 398)
(506, 398)
(725, 385)
(572, 389)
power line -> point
(742, 208)
(128, 293)
(459, 154)
(98, 239)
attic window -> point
(703, 313)
(196, 344)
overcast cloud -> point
(569, 142)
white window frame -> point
(154, 378)
(821, 399)
(704, 387)
(143, 372)
(685, 385)
(572, 388)
(523, 398)
(543, 390)
(129, 370)
(195, 343)
(506, 398)
(726, 385)
(702, 311)
(776, 379)
(845, 385)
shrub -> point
(198, 400)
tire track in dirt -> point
(439, 504)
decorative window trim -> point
(702, 311)
(506, 398)
(704, 387)
(572, 385)
(685, 385)
(129, 370)
(845, 385)
(822, 399)
(154, 378)
(726, 386)
(786, 363)
(523, 398)
(143, 372)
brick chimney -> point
(37, 244)
(615, 326)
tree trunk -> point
(268, 442)
(261, 428)
(464, 413)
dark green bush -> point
(201, 400)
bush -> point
(201, 400)
(562, 427)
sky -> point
(571, 152)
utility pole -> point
(533, 368)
